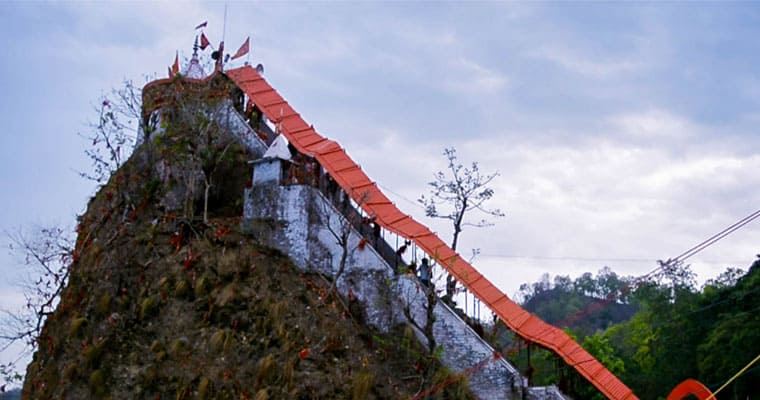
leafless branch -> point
(459, 190)
(47, 254)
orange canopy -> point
(357, 184)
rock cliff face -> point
(162, 305)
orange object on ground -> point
(690, 387)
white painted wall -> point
(297, 220)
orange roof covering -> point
(357, 184)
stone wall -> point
(227, 116)
(299, 221)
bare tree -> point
(340, 228)
(460, 190)
(114, 135)
(111, 145)
(47, 253)
(431, 299)
(212, 156)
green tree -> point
(728, 347)
(599, 346)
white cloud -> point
(472, 79)
(607, 200)
(602, 150)
(587, 63)
(715, 171)
(654, 125)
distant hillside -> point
(658, 334)
(587, 304)
(707, 334)
(581, 313)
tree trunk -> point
(451, 282)
(190, 196)
(432, 299)
(205, 201)
(457, 229)
(343, 257)
(427, 329)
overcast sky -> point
(624, 133)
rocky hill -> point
(160, 304)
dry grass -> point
(76, 326)
(148, 308)
(262, 394)
(265, 370)
(97, 383)
(217, 340)
(204, 389)
(238, 302)
(363, 381)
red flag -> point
(204, 41)
(243, 50)
(175, 66)
(202, 25)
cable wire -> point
(704, 244)
(600, 304)
(718, 236)
(741, 371)
(753, 369)
(416, 204)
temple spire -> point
(194, 69)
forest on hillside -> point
(652, 333)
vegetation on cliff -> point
(163, 303)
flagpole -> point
(224, 27)
(224, 34)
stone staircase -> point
(300, 221)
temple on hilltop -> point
(194, 70)
(309, 199)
